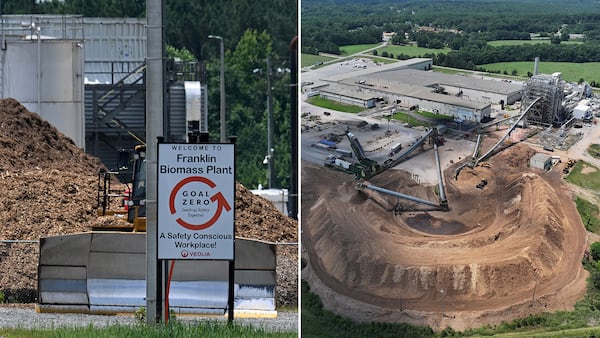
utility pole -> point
(154, 129)
(269, 124)
(223, 129)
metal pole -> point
(223, 129)
(293, 192)
(269, 122)
(154, 129)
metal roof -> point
(429, 79)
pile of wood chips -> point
(48, 186)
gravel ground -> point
(26, 317)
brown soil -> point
(48, 187)
(515, 249)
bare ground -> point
(515, 246)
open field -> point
(570, 71)
(410, 50)
(310, 59)
(353, 49)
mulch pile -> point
(48, 186)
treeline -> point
(328, 25)
(471, 56)
(251, 31)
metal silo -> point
(44, 71)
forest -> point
(464, 26)
(251, 31)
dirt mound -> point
(48, 187)
(516, 238)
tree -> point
(246, 89)
(595, 251)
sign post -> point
(196, 189)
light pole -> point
(270, 122)
(269, 161)
(223, 126)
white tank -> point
(46, 76)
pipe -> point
(397, 194)
(168, 288)
(477, 144)
(512, 127)
(39, 72)
(414, 146)
(442, 193)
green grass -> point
(353, 49)
(497, 43)
(589, 214)
(412, 122)
(435, 116)
(333, 105)
(570, 71)
(594, 150)
(318, 322)
(589, 180)
(310, 59)
(173, 329)
(580, 332)
(412, 51)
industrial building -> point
(409, 84)
(549, 111)
(86, 76)
(541, 161)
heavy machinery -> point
(132, 173)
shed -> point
(541, 161)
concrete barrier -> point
(104, 272)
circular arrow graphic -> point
(218, 197)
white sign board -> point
(196, 200)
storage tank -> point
(279, 197)
(46, 75)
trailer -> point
(329, 144)
(395, 149)
(343, 152)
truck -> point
(342, 164)
(395, 149)
(344, 152)
(329, 144)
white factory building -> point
(408, 84)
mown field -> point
(572, 72)
(307, 60)
(352, 49)
(410, 50)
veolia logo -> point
(184, 253)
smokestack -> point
(535, 66)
